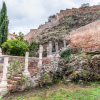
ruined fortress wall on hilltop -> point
(68, 12)
(35, 32)
(47, 25)
(55, 21)
(87, 37)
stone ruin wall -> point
(68, 12)
(55, 21)
(35, 32)
(87, 37)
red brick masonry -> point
(88, 37)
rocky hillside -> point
(67, 24)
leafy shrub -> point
(14, 47)
(57, 77)
(85, 5)
(65, 54)
(32, 47)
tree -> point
(32, 47)
(15, 47)
(20, 36)
(3, 24)
(85, 5)
(52, 16)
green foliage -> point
(57, 78)
(69, 19)
(84, 73)
(3, 24)
(52, 16)
(15, 70)
(66, 54)
(15, 67)
(19, 36)
(32, 47)
(14, 47)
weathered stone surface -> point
(87, 37)
(82, 67)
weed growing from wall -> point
(66, 54)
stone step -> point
(33, 70)
(33, 65)
(11, 86)
(15, 78)
(12, 82)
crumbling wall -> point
(87, 37)
(68, 12)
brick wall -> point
(87, 37)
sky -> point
(24, 15)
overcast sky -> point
(24, 15)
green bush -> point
(32, 47)
(65, 54)
(14, 47)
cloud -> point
(24, 15)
